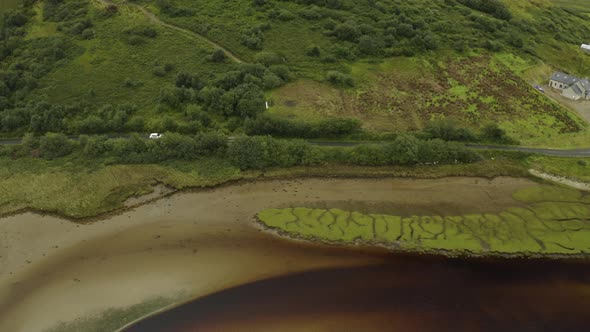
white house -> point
(585, 48)
(571, 87)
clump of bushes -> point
(492, 133)
(245, 152)
(339, 79)
(172, 10)
(262, 152)
(280, 127)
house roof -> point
(577, 90)
(585, 47)
(564, 78)
(585, 83)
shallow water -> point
(206, 242)
(404, 294)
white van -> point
(155, 136)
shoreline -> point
(242, 181)
(565, 181)
(432, 253)
(161, 248)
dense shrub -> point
(54, 145)
(172, 10)
(218, 56)
(339, 79)
(258, 152)
(448, 130)
(262, 152)
(494, 134)
(493, 7)
(328, 128)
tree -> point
(96, 146)
(271, 81)
(493, 133)
(54, 145)
(267, 58)
(184, 80)
(251, 101)
(404, 150)
(91, 125)
(218, 56)
(369, 45)
(248, 152)
(339, 79)
(314, 51)
(137, 124)
(259, 3)
(446, 129)
(348, 31)
(28, 144)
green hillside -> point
(94, 66)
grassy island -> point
(551, 221)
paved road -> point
(575, 153)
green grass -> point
(114, 318)
(403, 94)
(107, 61)
(579, 5)
(575, 168)
(77, 189)
(554, 222)
(392, 92)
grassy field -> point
(406, 93)
(99, 73)
(568, 167)
(78, 189)
(553, 222)
(400, 83)
(578, 5)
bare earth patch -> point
(158, 191)
(562, 180)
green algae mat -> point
(551, 221)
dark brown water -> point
(403, 294)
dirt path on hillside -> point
(155, 19)
(199, 243)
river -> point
(404, 294)
(206, 246)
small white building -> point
(585, 48)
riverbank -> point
(83, 189)
(162, 249)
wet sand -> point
(198, 243)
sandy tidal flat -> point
(193, 244)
